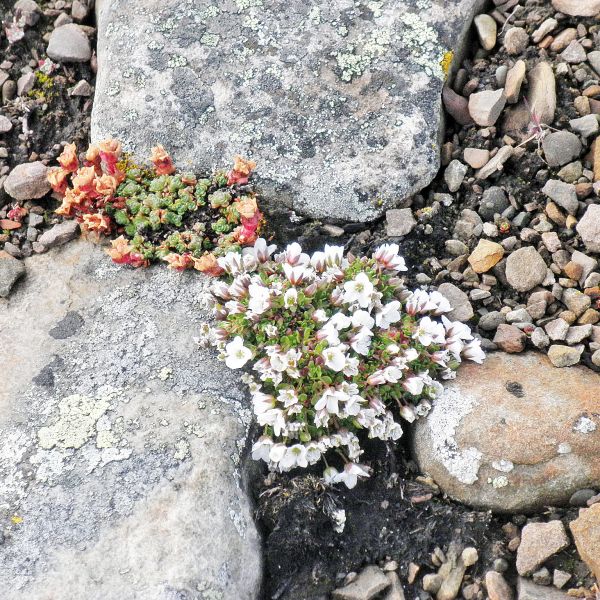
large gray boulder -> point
(338, 102)
(514, 434)
(120, 442)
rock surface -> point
(340, 105)
(120, 442)
(578, 8)
(586, 532)
(11, 270)
(511, 436)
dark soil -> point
(48, 113)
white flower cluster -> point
(337, 348)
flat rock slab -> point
(515, 434)
(338, 102)
(120, 442)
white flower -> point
(270, 330)
(339, 321)
(419, 302)
(232, 263)
(221, 290)
(407, 412)
(456, 329)
(353, 405)
(360, 342)
(260, 298)
(317, 261)
(313, 453)
(392, 374)
(359, 290)
(334, 255)
(277, 452)
(388, 314)
(293, 256)
(413, 385)
(351, 367)
(295, 456)
(290, 298)
(352, 471)
(387, 256)
(261, 250)
(441, 302)
(330, 475)
(273, 417)
(262, 448)
(319, 316)
(472, 351)
(297, 274)
(329, 401)
(429, 332)
(288, 397)
(237, 355)
(262, 402)
(361, 318)
(334, 358)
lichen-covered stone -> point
(120, 442)
(513, 436)
(339, 103)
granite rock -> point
(121, 473)
(339, 104)
(511, 436)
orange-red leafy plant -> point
(157, 213)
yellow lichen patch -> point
(16, 520)
(446, 62)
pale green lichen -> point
(176, 60)
(77, 417)
(210, 39)
(354, 62)
(244, 4)
(314, 15)
(424, 45)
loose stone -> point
(454, 175)
(370, 582)
(510, 339)
(525, 269)
(496, 163)
(516, 40)
(461, 307)
(577, 8)
(560, 148)
(59, 234)
(399, 222)
(485, 107)
(476, 157)
(574, 53)
(539, 541)
(589, 228)
(542, 92)
(11, 270)
(514, 81)
(487, 30)
(564, 356)
(27, 181)
(485, 255)
(586, 532)
(563, 194)
(586, 126)
(69, 43)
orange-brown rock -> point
(586, 532)
(485, 255)
(514, 434)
